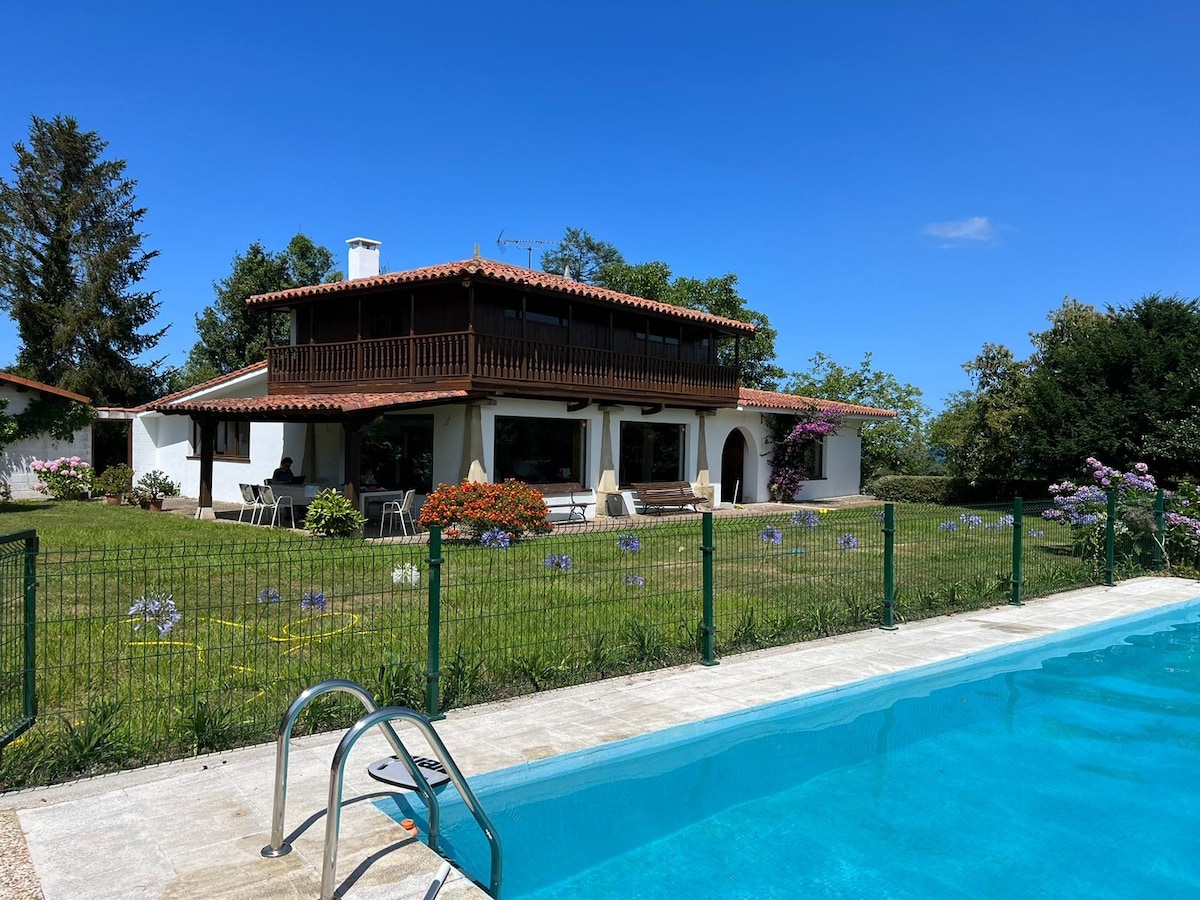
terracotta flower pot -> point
(156, 504)
(112, 499)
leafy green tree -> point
(895, 446)
(70, 258)
(230, 336)
(601, 264)
(980, 433)
(1122, 386)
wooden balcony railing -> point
(490, 361)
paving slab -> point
(194, 828)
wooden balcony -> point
(482, 362)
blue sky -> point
(910, 179)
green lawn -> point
(112, 694)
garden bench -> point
(570, 498)
(663, 495)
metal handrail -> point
(278, 846)
(333, 813)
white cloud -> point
(963, 231)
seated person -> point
(284, 474)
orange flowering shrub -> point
(474, 507)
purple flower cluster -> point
(559, 561)
(157, 610)
(971, 521)
(805, 518)
(496, 539)
(948, 526)
(629, 543)
(771, 535)
(1084, 505)
(268, 595)
(314, 600)
(1187, 523)
(847, 542)
(635, 581)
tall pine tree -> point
(70, 258)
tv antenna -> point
(521, 244)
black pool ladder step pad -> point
(392, 771)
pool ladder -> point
(382, 718)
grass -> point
(512, 621)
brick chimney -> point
(364, 258)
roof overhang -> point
(307, 407)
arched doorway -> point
(733, 468)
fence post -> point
(1018, 549)
(708, 628)
(1159, 529)
(1110, 538)
(30, 696)
(433, 663)
(889, 567)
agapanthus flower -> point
(635, 581)
(805, 518)
(268, 595)
(406, 573)
(629, 543)
(971, 521)
(496, 539)
(771, 535)
(559, 561)
(847, 542)
(948, 526)
(157, 610)
(314, 600)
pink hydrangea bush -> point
(65, 478)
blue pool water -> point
(1057, 768)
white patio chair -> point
(269, 499)
(250, 501)
(399, 509)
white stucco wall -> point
(16, 459)
(164, 442)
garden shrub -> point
(332, 514)
(916, 489)
(474, 508)
(65, 478)
(948, 490)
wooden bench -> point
(570, 498)
(665, 495)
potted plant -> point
(155, 485)
(114, 482)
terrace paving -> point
(194, 828)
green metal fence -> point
(153, 653)
(18, 584)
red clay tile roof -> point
(44, 388)
(479, 267)
(775, 400)
(320, 404)
(204, 385)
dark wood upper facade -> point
(479, 334)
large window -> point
(650, 452)
(540, 451)
(233, 440)
(397, 453)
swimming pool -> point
(1056, 767)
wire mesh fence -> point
(147, 654)
(17, 555)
